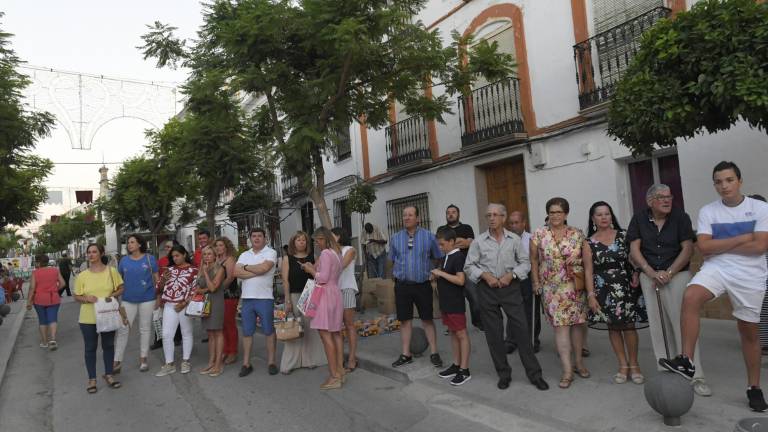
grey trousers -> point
(509, 299)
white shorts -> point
(348, 298)
(746, 295)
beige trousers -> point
(672, 302)
(306, 351)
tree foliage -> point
(702, 71)
(361, 197)
(56, 236)
(320, 65)
(9, 240)
(21, 173)
(144, 195)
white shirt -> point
(721, 222)
(525, 237)
(347, 278)
(258, 287)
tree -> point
(702, 71)
(9, 240)
(56, 236)
(144, 195)
(21, 174)
(320, 65)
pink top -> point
(179, 283)
(329, 315)
(46, 286)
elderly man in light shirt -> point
(497, 262)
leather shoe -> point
(540, 384)
(503, 383)
(511, 348)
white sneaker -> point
(185, 367)
(166, 370)
(700, 387)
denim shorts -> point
(47, 314)
(263, 308)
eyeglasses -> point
(664, 197)
(493, 215)
(557, 212)
(410, 242)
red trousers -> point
(230, 327)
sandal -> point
(91, 389)
(583, 372)
(206, 371)
(350, 369)
(585, 352)
(637, 378)
(52, 345)
(117, 367)
(620, 378)
(565, 381)
(228, 360)
(111, 382)
(213, 373)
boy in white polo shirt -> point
(733, 237)
(256, 269)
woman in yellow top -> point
(98, 281)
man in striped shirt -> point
(412, 250)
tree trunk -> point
(317, 192)
(210, 212)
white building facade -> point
(526, 139)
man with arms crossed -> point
(733, 237)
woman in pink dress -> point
(330, 310)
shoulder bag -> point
(289, 329)
(110, 316)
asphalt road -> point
(45, 391)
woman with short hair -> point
(97, 281)
(556, 263)
(44, 286)
(139, 271)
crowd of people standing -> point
(604, 277)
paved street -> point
(45, 391)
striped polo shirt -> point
(412, 257)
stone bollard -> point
(754, 424)
(670, 395)
(419, 342)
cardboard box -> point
(385, 296)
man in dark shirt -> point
(464, 236)
(65, 268)
(661, 243)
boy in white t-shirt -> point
(733, 237)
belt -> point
(406, 282)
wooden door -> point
(506, 185)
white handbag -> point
(306, 294)
(108, 317)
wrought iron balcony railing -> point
(491, 111)
(291, 186)
(407, 143)
(602, 59)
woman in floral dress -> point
(615, 300)
(555, 263)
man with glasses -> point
(497, 262)
(661, 244)
(412, 250)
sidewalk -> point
(594, 404)
(9, 330)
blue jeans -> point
(91, 339)
(376, 266)
(47, 314)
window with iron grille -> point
(395, 211)
(343, 145)
(342, 217)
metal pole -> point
(661, 318)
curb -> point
(7, 347)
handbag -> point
(157, 323)
(108, 317)
(289, 329)
(199, 306)
(306, 293)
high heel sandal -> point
(112, 382)
(332, 383)
(582, 372)
(565, 381)
(91, 389)
(637, 378)
(621, 378)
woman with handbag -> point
(210, 279)
(225, 257)
(558, 275)
(43, 294)
(306, 351)
(99, 281)
(349, 289)
(613, 290)
(178, 283)
(327, 308)
(139, 271)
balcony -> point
(291, 186)
(602, 59)
(407, 144)
(492, 112)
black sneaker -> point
(450, 372)
(680, 365)
(245, 371)
(462, 377)
(402, 360)
(756, 400)
(436, 360)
